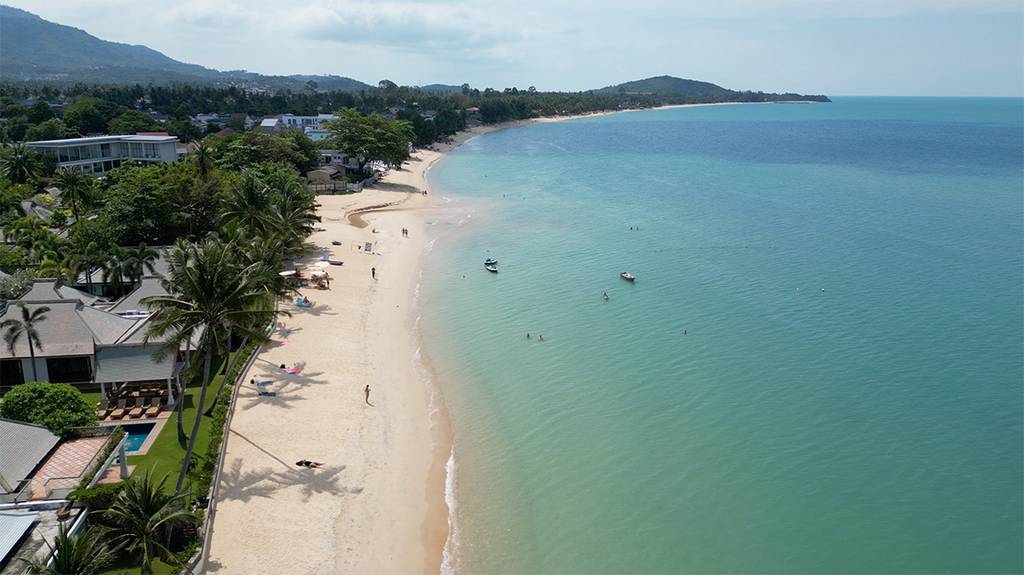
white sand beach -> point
(377, 504)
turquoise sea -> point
(818, 370)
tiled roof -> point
(131, 363)
(48, 290)
(62, 333)
(132, 302)
(23, 447)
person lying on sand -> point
(308, 463)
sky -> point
(834, 47)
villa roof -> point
(269, 122)
(62, 333)
(24, 447)
(131, 363)
(104, 140)
(150, 286)
(107, 328)
(49, 290)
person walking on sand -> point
(366, 394)
(373, 273)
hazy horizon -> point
(852, 48)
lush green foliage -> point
(84, 554)
(16, 284)
(57, 406)
(372, 138)
(144, 514)
(98, 497)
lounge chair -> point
(102, 408)
(120, 410)
(137, 411)
(154, 407)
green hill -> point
(32, 49)
(701, 91)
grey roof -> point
(62, 333)
(103, 139)
(23, 447)
(105, 326)
(13, 526)
(131, 363)
(148, 287)
(48, 290)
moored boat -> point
(490, 262)
(628, 276)
(491, 268)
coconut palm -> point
(203, 152)
(142, 514)
(115, 269)
(84, 554)
(139, 260)
(76, 188)
(19, 163)
(15, 329)
(248, 203)
(209, 291)
(64, 269)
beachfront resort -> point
(149, 286)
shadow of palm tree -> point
(282, 401)
(243, 486)
(325, 480)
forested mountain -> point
(697, 90)
(34, 49)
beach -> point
(377, 503)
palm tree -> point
(203, 152)
(248, 203)
(18, 163)
(84, 554)
(65, 269)
(75, 187)
(14, 330)
(115, 269)
(138, 260)
(143, 514)
(209, 292)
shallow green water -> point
(818, 369)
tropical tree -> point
(62, 268)
(209, 292)
(116, 269)
(139, 260)
(75, 187)
(203, 153)
(19, 163)
(248, 203)
(14, 329)
(84, 554)
(143, 514)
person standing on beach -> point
(366, 394)
(373, 273)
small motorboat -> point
(628, 276)
(491, 268)
(490, 262)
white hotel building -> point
(100, 154)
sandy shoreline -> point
(378, 503)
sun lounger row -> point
(132, 408)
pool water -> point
(137, 434)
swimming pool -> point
(137, 434)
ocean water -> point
(818, 370)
